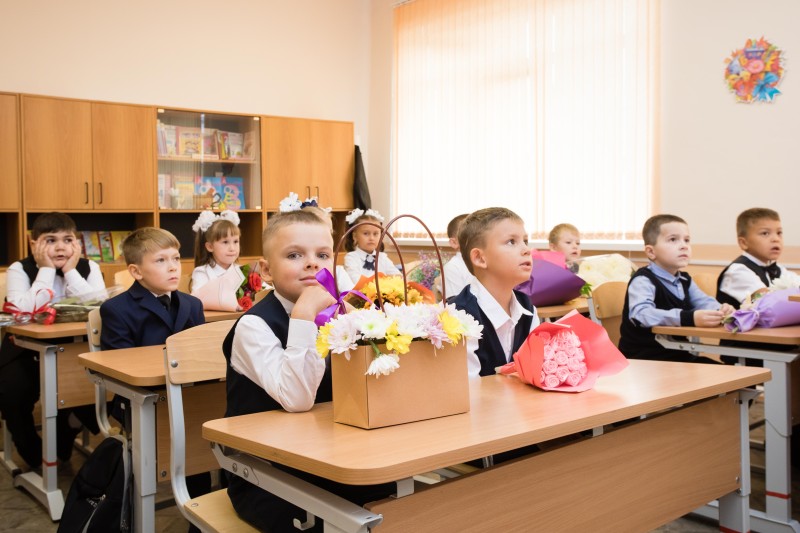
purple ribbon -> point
(325, 278)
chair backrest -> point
(191, 356)
(94, 327)
(123, 278)
(607, 302)
(185, 283)
(261, 294)
(3, 277)
(707, 282)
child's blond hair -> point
(307, 215)
(144, 240)
(472, 233)
(558, 229)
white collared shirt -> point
(740, 282)
(291, 376)
(456, 275)
(502, 323)
(354, 265)
(22, 293)
(205, 273)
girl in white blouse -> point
(360, 261)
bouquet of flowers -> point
(769, 310)
(392, 291)
(567, 355)
(597, 269)
(426, 272)
(396, 327)
(551, 284)
(246, 293)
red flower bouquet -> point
(246, 293)
(567, 355)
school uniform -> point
(502, 334)
(359, 263)
(205, 273)
(656, 297)
(456, 275)
(19, 368)
(745, 275)
(273, 364)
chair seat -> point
(216, 513)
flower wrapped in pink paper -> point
(772, 310)
(567, 355)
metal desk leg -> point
(45, 488)
(143, 407)
(734, 508)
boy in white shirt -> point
(456, 274)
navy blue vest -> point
(490, 351)
(30, 268)
(244, 396)
(637, 342)
(758, 270)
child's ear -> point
(477, 257)
(266, 275)
(135, 271)
(552, 247)
(649, 252)
(209, 247)
(742, 243)
(454, 243)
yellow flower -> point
(322, 340)
(396, 342)
(451, 326)
(391, 291)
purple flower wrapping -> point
(772, 310)
(550, 284)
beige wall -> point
(719, 157)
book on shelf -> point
(183, 192)
(91, 245)
(170, 140)
(223, 148)
(209, 150)
(160, 143)
(236, 144)
(164, 185)
(116, 243)
(226, 192)
(106, 246)
(189, 141)
(249, 149)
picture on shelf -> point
(227, 192)
(170, 140)
(91, 245)
(209, 144)
(250, 145)
(116, 243)
(189, 141)
(106, 246)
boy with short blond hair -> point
(566, 238)
(760, 236)
(659, 294)
(272, 357)
(456, 275)
(494, 246)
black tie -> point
(369, 263)
(164, 299)
(773, 271)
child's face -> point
(672, 250)
(763, 240)
(159, 272)
(367, 237)
(506, 254)
(296, 253)
(60, 246)
(225, 250)
(569, 244)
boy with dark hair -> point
(456, 274)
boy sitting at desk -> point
(56, 264)
(494, 246)
(272, 357)
(659, 294)
(760, 237)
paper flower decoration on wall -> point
(753, 72)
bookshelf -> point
(10, 226)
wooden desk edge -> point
(114, 364)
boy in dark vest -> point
(56, 264)
(659, 294)
(272, 357)
(760, 237)
(494, 247)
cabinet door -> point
(57, 152)
(9, 153)
(123, 153)
(286, 155)
(333, 163)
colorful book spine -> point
(106, 246)
(91, 244)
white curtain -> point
(542, 106)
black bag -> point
(99, 498)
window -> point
(542, 106)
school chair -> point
(124, 279)
(260, 295)
(185, 283)
(707, 282)
(93, 327)
(193, 356)
(606, 306)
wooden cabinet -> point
(9, 153)
(309, 157)
(87, 156)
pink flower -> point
(561, 359)
(549, 367)
(573, 364)
(573, 379)
(562, 374)
(551, 381)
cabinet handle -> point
(308, 191)
(317, 189)
(86, 192)
(101, 193)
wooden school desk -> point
(138, 374)
(635, 477)
(553, 312)
(778, 407)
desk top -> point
(73, 329)
(140, 367)
(505, 414)
(788, 335)
(557, 311)
(794, 298)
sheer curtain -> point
(542, 106)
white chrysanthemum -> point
(373, 323)
(411, 319)
(596, 270)
(383, 365)
(290, 203)
(472, 329)
(343, 334)
(204, 221)
(781, 283)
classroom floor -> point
(21, 513)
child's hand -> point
(312, 300)
(726, 309)
(707, 318)
(41, 253)
(72, 261)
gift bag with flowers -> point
(393, 289)
(772, 309)
(598, 269)
(567, 355)
(394, 363)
